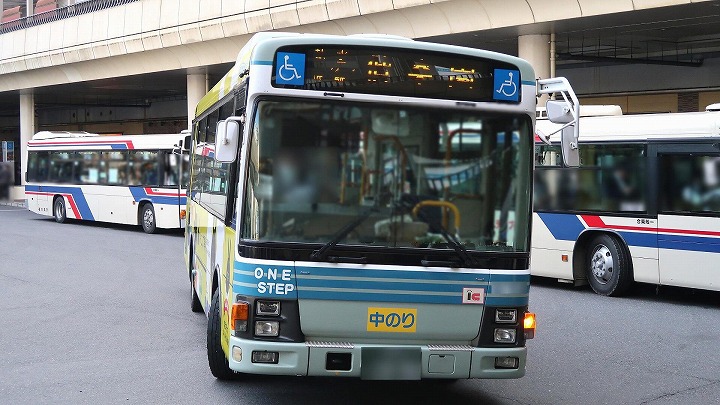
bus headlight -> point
(267, 328)
(504, 335)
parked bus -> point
(644, 205)
(360, 207)
(135, 180)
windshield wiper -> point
(454, 243)
(321, 254)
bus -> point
(359, 206)
(643, 206)
(120, 179)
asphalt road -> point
(100, 314)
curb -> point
(16, 203)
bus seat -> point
(42, 6)
(11, 14)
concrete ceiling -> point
(665, 35)
(668, 35)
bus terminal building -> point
(141, 66)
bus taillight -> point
(529, 325)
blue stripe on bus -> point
(139, 194)
(691, 243)
(407, 298)
(77, 195)
(562, 226)
(568, 227)
(399, 285)
(639, 239)
(506, 301)
(398, 274)
(392, 285)
(378, 297)
(262, 62)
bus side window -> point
(150, 169)
(117, 167)
(170, 167)
(38, 166)
(693, 183)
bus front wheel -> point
(147, 218)
(217, 361)
(608, 266)
(59, 211)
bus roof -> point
(66, 140)
(588, 111)
(261, 47)
(662, 126)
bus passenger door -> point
(688, 222)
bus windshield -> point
(389, 176)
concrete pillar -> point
(27, 128)
(197, 86)
(536, 50)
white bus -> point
(350, 204)
(644, 205)
(135, 180)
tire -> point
(195, 304)
(59, 211)
(217, 361)
(147, 218)
(609, 269)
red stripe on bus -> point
(594, 221)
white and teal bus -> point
(121, 179)
(360, 206)
(644, 205)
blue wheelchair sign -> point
(290, 68)
(506, 85)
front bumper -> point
(376, 362)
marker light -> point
(239, 316)
(506, 315)
(237, 353)
(504, 335)
(268, 308)
(183, 213)
(529, 325)
(267, 328)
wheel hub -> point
(148, 218)
(602, 264)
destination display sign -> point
(396, 72)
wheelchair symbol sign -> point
(290, 68)
(507, 85)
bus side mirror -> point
(558, 112)
(227, 139)
(186, 143)
(565, 112)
